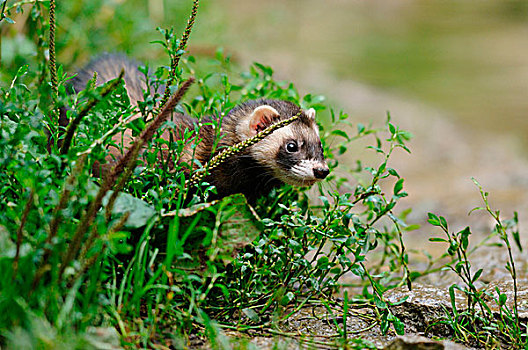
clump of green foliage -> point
(129, 253)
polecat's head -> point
(294, 153)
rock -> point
(424, 306)
(416, 342)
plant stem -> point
(175, 58)
(52, 62)
(23, 220)
(84, 111)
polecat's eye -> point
(292, 147)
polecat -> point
(292, 154)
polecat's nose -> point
(321, 173)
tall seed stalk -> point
(128, 161)
(175, 58)
(52, 61)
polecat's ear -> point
(310, 114)
(261, 118)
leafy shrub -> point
(149, 263)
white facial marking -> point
(316, 128)
(305, 169)
(265, 108)
(302, 174)
(311, 113)
(264, 150)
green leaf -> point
(8, 247)
(443, 222)
(384, 325)
(380, 304)
(433, 219)
(476, 209)
(357, 270)
(515, 233)
(340, 133)
(392, 128)
(360, 128)
(401, 301)
(412, 227)
(464, 237)
(502, 299)
(393, 172)
(140, 211)
(267, 70)
(336, 270)
(453, 299)
(460, 265)
(476, 275)
(251, 314)
(399, 327)
(325, 201)
(323, 262)
(452, 248)
(11, 125)
(398, 186)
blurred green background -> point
(468, 58)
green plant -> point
(477, 324)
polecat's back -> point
(108, 67)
